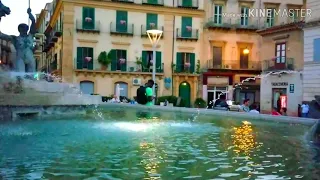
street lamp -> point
(154, 36)
(246, 51)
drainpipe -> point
(173, 44)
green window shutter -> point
(158, 61)
(124, 56)
(85, 13)
(92, 15)
(152, 1)
(90, 54)
(122, 16)
(113, 56)
(187, 3)
(179, 62)
(79, 57)
(144, 60)
(186, 21)
(152, 18)
(192, 62)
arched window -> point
(123, 88)
(87, 87)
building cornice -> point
(282, 28)
(311, 24)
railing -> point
(58, 29)
(182, 68)
(153, 2)
(88, 26)
(124, 1)
(222, 22)
(234, 65)
(247, 23)
(194, 4)
(187, 33)
(126, 28)
(144, 29)
(277, 64)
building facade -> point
(79, 31)
(282, 60)
(311, 71)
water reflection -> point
(243, 139)
(150, 160)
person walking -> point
(305, 110)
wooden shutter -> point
(90, 54)
(85, 14)
(192, 62)
(158, 61)
(79, 57)
(124, 56)
(186, 21)
(144, 61)
(113, 57)
(179, 62)
(152, 18)
(187, 3)
(91, 12)
(122, 16)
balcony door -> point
(280, 61)
(217, 57)
(244, 59)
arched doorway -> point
(185, 92)
(123, 88)
(87, 87)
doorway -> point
(185, 93)
(276, 93)
(217, 57)
(214, 94)
(280, 62)
(244, 59)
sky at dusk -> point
(9, 24)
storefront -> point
(281, 91)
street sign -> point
(291, 88)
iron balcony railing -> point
(233, 64)
(122, 28)
(184, 68)
(194, 4)
(153, 2)
(144, 29)
(247, 23)
(88, 26)
(278, 64)
(186, 33)
(124, 1)
(216, 22)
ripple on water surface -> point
(221, 149)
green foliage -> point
(200, 103)
(104, 58)
(138, 60)
(198, 67)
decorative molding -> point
(186, 48)
(150, 46)
(87, 41)
(281, 37)
(120, 43)
(244, 43)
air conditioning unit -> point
(136, 81)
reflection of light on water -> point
(128, 126)
(243, 138)
(150, 160)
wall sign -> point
(280, 84)
(291, 88)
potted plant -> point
(139, 63)
(198, 67)
(104, 59)
(88, 19)
(200, 103)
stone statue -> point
(23, 44)
(4, 10)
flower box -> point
(152, 25)
(123, 22)
(88, 59)
(187, 65)
(88, 19)
(122, 61)
(189, 28)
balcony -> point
(181, 68)
(277, 64)
(58, 29)
(122, 28)
(191, 4)
(234, 65)
(153, 2)
(222, 23)
(187, 34)
(90, 27)
(247, 24)
(123, 1)
(144, 29)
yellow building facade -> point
(89, 28)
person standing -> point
(145, 94)
(245, 106)
(305, 110)
(254, 109)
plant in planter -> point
(189, 28)
(198, 67)
(88, 19)
(123, 22)
(104, 59)
(152, 25)
(200, 103)
(187, 66)
(139, 63)
(122, 61)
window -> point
(121, 89)
(270, 17)
(281, 53)
(218, 14)
(316, 49)
(85, 58)
(118, 60)
(147, 58)
(122, 21)
(244, 16)
(185, 62)
(186, 27)
(88, 16)
(87, 87)
(294, 16)
(152, 21)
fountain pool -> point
(133, 143)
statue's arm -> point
(7, 37)
(33, 29)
